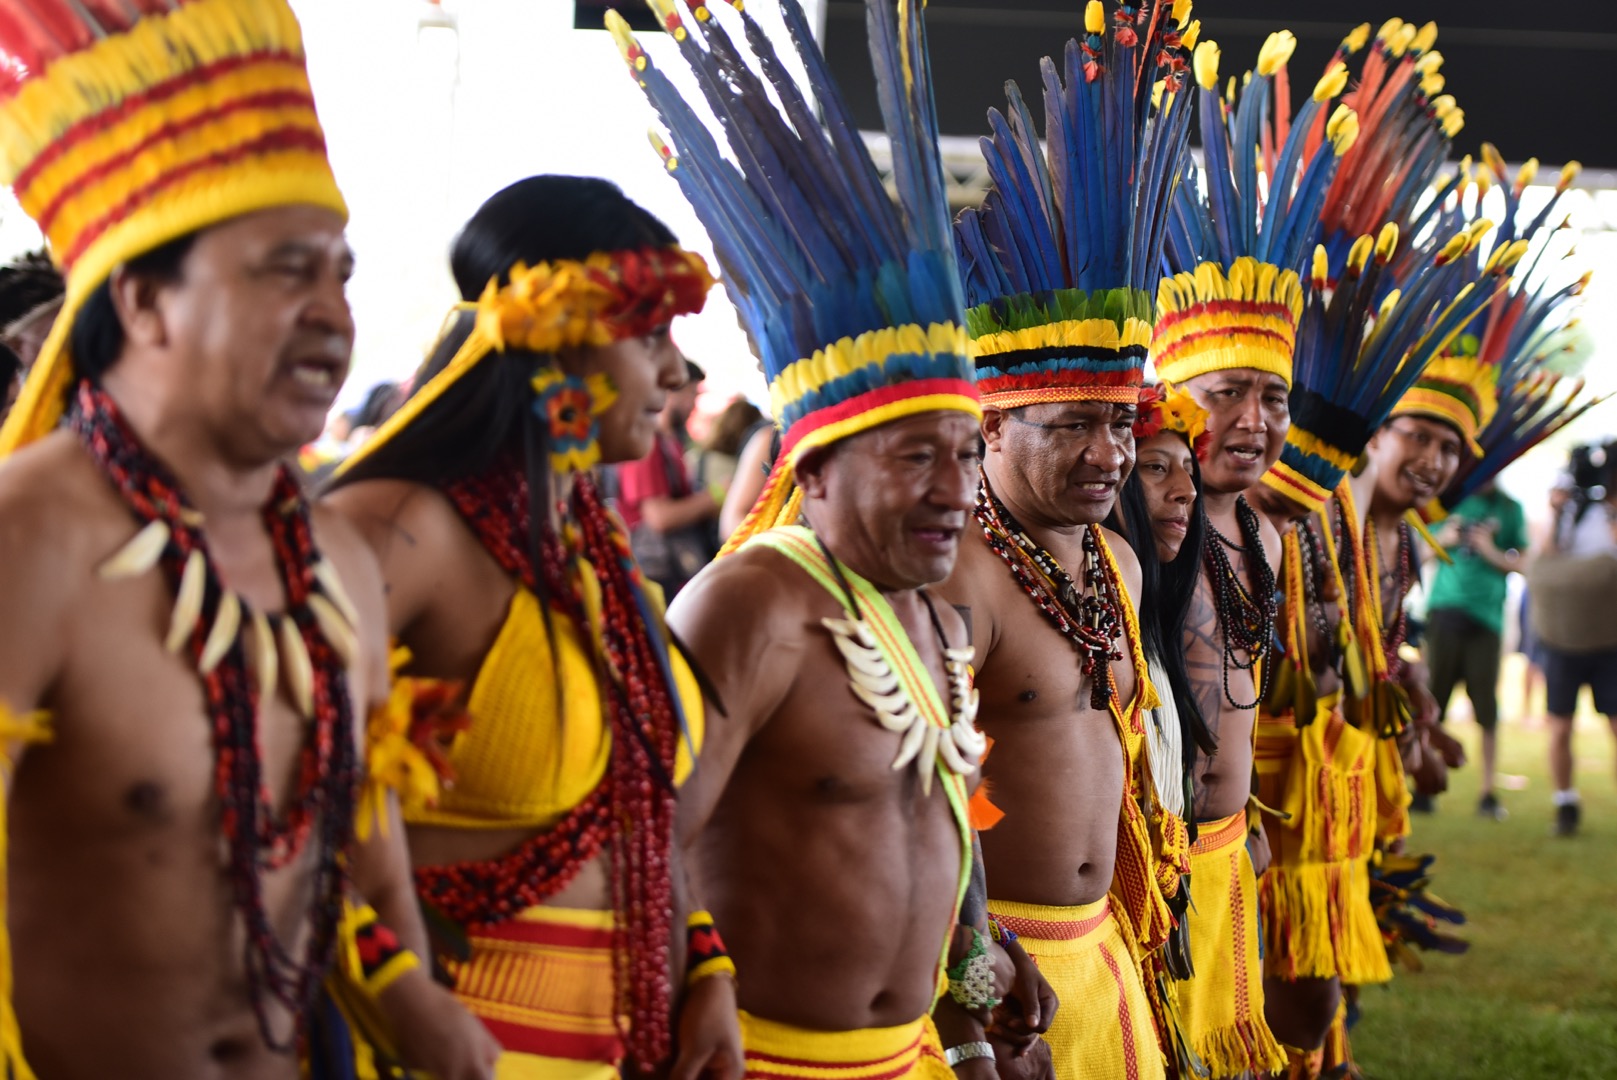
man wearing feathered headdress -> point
(1084, 864)
(186, 645)
(827, 817)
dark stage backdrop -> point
(1537, 79)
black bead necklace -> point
(1247, 622)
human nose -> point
(1249, 414)
(1110, 452)
(670, 363)
(954, 485)
(1183, 488)
(329, 310)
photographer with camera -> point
(1486, 537)
(1574, 589)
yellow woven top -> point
(538, 742)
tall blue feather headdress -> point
(854, 301)
(1243, 227)
(1060, 262)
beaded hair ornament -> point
(126, 126)
(1234, 298)
(565, 303)
(1168, 408)
(852, 297)
(1059, 262)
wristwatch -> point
(966, 1051)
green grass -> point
(1536, 996)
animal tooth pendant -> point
(963, 702)
(139, 555)
(187, 602)
(874, 682)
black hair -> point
(10, 368)
(97, 337)
(27, 283)
(485, 414)
(1166, 590)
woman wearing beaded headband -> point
(507, 574)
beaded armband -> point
(704, 949)
(376, 959)
(971, 979)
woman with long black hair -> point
(546, 856)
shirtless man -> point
(1415, 455)
(826, 820)
(155, 933)
(833, 876)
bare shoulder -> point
(981, 584)
(59, 520)
(750, 589)
(58, 516)
(387, 513)
(1271, 541)
(1128, 563)
(340, 540)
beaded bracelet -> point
(971, 980)
(705, 951)
(1004, 935)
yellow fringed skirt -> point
(1315, 897)
(1103, 1026)
(776, 1051)
(1221, 1008)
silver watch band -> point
(966, 1051)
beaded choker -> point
(632, 813)
(311, 644)
(1091, 619)
(1247, 622)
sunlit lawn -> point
(1536, 997)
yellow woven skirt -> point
(1221, 1008)
(1103, 1027)
(542, 983)
(1315, 897)
(782, 1052)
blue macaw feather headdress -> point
(854, 301)
(1244, 226)
(1495, 383)
(1059, 262)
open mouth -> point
(1095, 489)
(1246, 455)
(323, 376)
(936, 535)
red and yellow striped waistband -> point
(1217, 835)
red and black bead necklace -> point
(259, 837)
(1091, 618)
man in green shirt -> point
(1487, 538)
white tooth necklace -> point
(952, 739)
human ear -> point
(135, 299)
(993, 427)
(811, 471)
